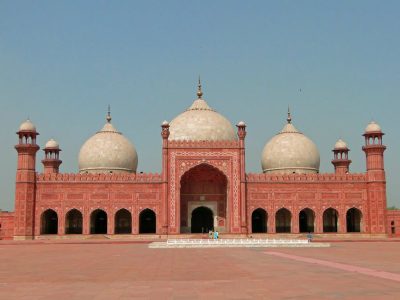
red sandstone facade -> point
(203, 185)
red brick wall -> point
(6, 225)
(393, 222)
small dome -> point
(27, 126)
(290, 151)
(241, 123)
(373, 127)
(52, 144)
(108, 151)
(340, 144)
(201, 123)
(165, 123)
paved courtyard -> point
(347, 270)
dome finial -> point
(199, 91)
(289, 117)
(108, 118)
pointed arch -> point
(98, 222)
(73, 222)
(49, 222)
(259, 220)
(306, 220)
(147, 221)
(283, 221)
(330, 219)
(353, 220)
(123, 221)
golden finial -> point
(108, 118)
(289, 117)
(199, 91)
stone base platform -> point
(236, 243)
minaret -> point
(241, 126)
(25, 185)
(374, 148)
(376, 180)
(164, 174)
(51, 161)
(341, 158)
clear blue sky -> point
(63, 62)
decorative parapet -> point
(88, 177)
(203, 144)
(288, 178)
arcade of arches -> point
(203, 196)
(98, 222)
(306, 219)
(202, 219)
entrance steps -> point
(236, 243)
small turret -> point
(341, 158)
(51, 161)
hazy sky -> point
(63, 62)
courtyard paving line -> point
(340, 266)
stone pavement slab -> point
(133, 271)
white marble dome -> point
(340, 144)
(108, 151)
(201, 123)
(373, 127)
(52, 144)
(27, 126)
(290, 151)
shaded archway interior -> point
(330, 220)
(123, 222)
(73, 222)
(206, 186)
(283, 221)
(353, 220)
(259, 220)
(202, 220)
(147, 221)
(306, 220)
(49, 222)
(98, 222)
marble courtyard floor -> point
(346, 270)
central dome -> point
(201, 123)
(108, 151)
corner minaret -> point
(25, 181)
(51, 161)
(374, 148)
(376, 180)
(341, 159)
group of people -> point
(213, 234)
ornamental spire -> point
(289, 117)
(199, 91)
(108, 118)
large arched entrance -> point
(49, 222)
(353, 220)
(283, 221)
(73, 222)
(147, 221)
(123, 222)
(98, 222)
(306, 220)
(202, 220)
(259, 221)
(203, 186)
(330, 220)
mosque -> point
(203, 185)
